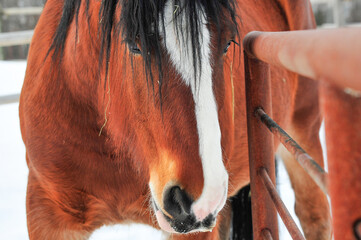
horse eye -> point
(227, 47)
(134, 48)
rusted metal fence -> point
(334, 58)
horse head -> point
(175, 59)
(162, 92)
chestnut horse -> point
(134, 111)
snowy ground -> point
(13, 173)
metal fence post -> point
(342, 114)
(260, 145)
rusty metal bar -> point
(332, 55)
(280, 206)
(342, 115)
(260, 146)
(316, 172)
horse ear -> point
(299, 14)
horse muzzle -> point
(178, 216)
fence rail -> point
(304, 52)
(7, 99)
(20, 37)
(15, 38)
(334, 58)
(20, 11)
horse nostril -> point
(208, 221)
(177, 202)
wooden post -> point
(338, 15)
(260, 145)
(1, 19)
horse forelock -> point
(142, 22)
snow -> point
(13, 170)
(13, 174)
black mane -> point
(139, 23)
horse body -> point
(105, 147)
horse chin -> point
(161, 219)
(163, 223)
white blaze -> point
(180, 51)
